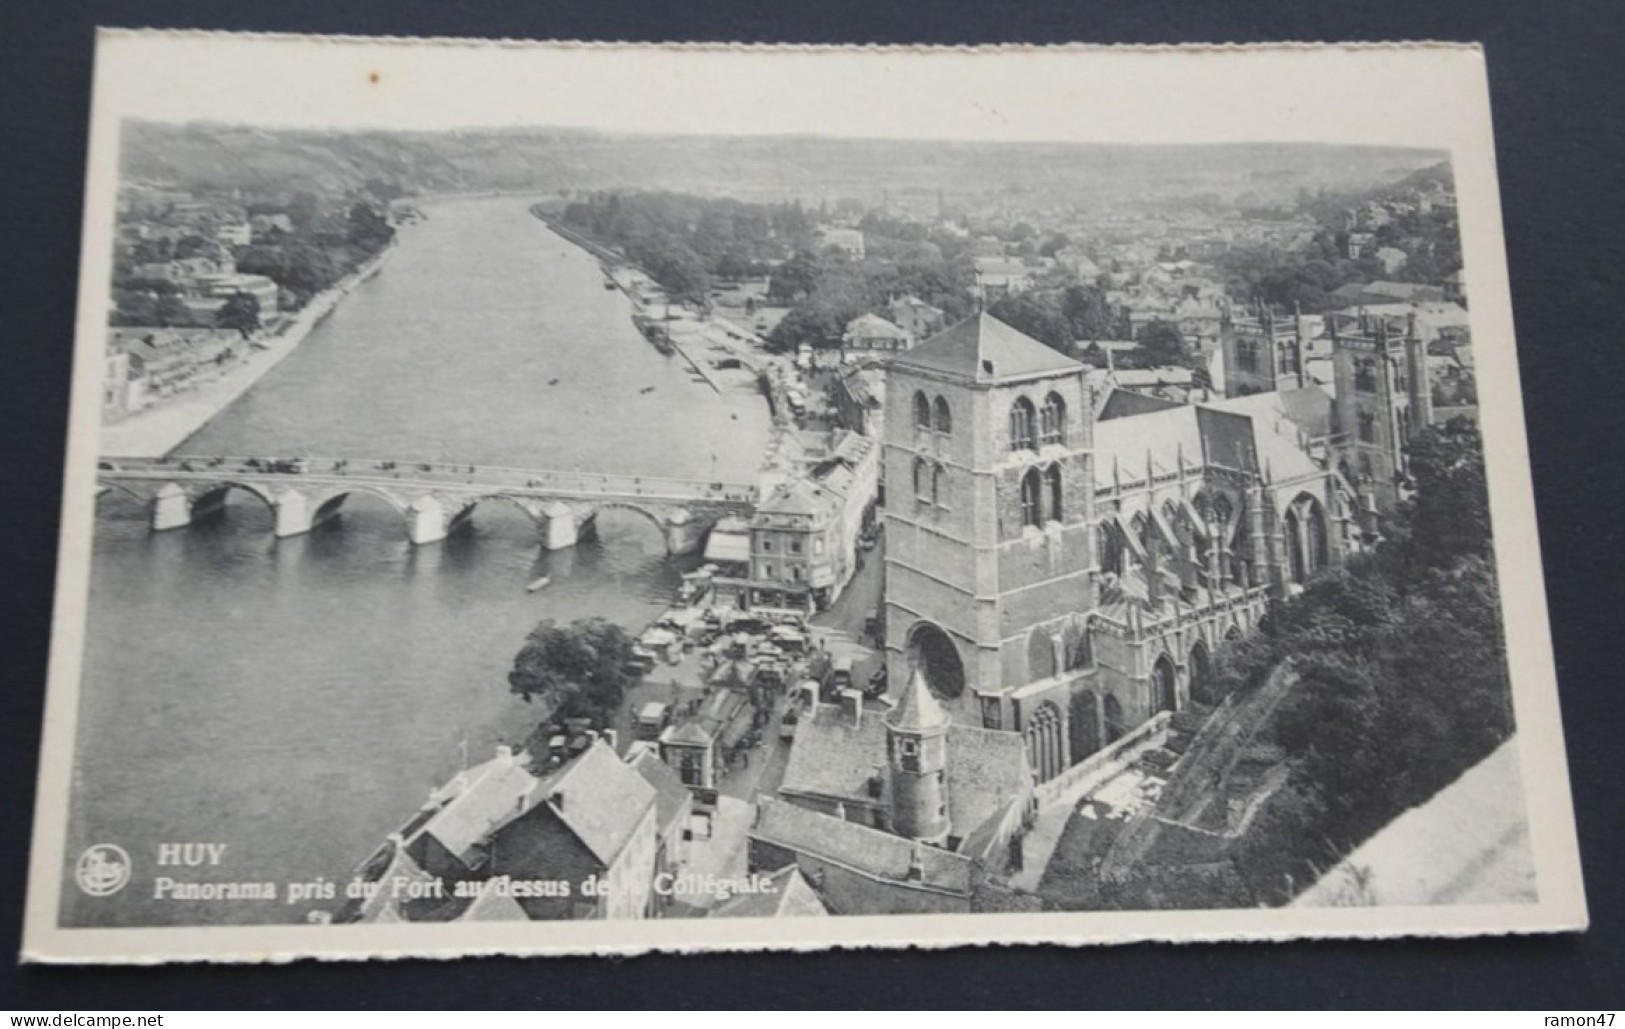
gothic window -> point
(1246, 355)
(1021, 425)
(1044, 742)
(939, 486)
(1404, 425)
(1052, 421)
(1365, 375)
(1031, 499)
(1401, 383)
(991, 715)
(1368, 427)
(922, 411)
(922, 481)
(1052, 480)
(944, 418)
(1289, 359)
(1110, 548)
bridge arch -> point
(106, 487)
(464, 514)
(213, 495)
(327, 505)
(654, 517)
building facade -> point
(1067, 579)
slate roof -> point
(872, 326)
(1251, 433)
(492, 906)
(871, 851)
(831, 758)
(983, 349)
(793, 898)
(987, 769)
(673, 802)
(480, 801)
(917, 710)
(600, 799)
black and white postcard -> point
(542, 498)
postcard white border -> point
(1422, 95)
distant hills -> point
(211, 156)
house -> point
(695, 747)
(916, 317)
(572, 839)
(858, 395)
(902, 811)
(1360, 244)
(847, 241)
(166, 361)
(1392, 259)
(225, 285)
(999, 277)
(674, 806)
(234, 234)
(870, 332)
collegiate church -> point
(1065, 568)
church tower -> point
(1383, 400)
(990, 541)
(1263, 352)
(917, 764)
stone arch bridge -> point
(433, 497)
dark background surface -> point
(1556, 80)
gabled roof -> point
(672, 799)
(792, 897)
(600, 800)
(482, 800)
(983, 349)
(872, 326)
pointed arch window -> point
(1022, 417)
(922, 481)
(922, 411)
(1052, 421)
(1031, 498)
(939, 486)
(944, 419)
(1368, 427)
(1365, 375)
(1052, 486)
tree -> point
(1088, 314)
(1449, 517)
(578, 670)
(368, 229)
(1162, 345)
(1038, 317)
(241, 311)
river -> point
(296, 699)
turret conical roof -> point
(917, 710)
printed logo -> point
(102, 870)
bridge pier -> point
(292, 514)
(171, 508)
(683, 533)
(559, 528)
(426, 521)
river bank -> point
(773, 375)
(162, 428)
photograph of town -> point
(548, 523)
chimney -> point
(852, 707)
(609, 736)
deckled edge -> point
(510, 42)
